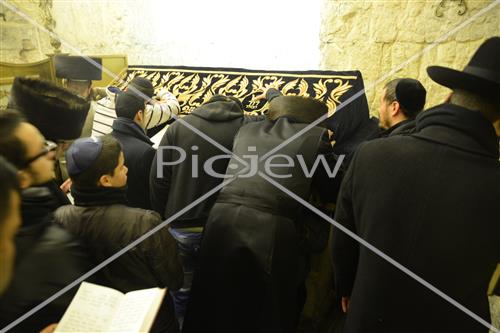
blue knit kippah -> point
(82, 154)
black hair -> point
(390, 90)
(8, 183)
(105, 164)
(78, 87)
(11, 147)
(127, 104)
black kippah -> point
(411, 94)
(143, 85)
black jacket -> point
(404, 127)
(101, 221)
(96, 218)
(139, 153)
(219, 119)
(430, 201)
(350, 128)
(48, 258)
(250, 268)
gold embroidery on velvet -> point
(195, 87)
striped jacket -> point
(156, 114)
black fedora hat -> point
(480, 76)
(78, 68)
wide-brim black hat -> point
(301, 109)
(56, 112)
(481, 76)
(78, 68)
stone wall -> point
(22, 41)
(257, 34)
(378, 36)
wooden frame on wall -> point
(45, 70)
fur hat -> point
(57, 113)
(301, 109)
(77, 68)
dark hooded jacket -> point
(428, 200)
(219, 119)
(350, 128)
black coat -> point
(219, 120)
(250, 269)
(430, 201)
(139, 153)
(404, 127)
(350, 128)
(48, 258)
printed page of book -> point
(91, 310)
(137, 311)
(153, 311)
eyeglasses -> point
(48, 146)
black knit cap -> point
(127, 104)
(410, 93)
(56, 112)
(143, 85)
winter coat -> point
(250, 261)
(429, 201)
(177, 185)
(101, 222)
(404, 127)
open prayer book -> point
(101, 309)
